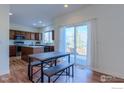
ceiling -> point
(29, 14)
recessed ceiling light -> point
(40, 22)
(66, 5)
(34, 24)
(10, 13)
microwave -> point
(19, 37)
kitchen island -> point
(27, 50)
(35, 49)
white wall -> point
(4, 39)
(109, 48)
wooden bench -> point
(38, 64)
(51, 71)
(30, 69)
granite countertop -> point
(33, 46)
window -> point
(48, 37)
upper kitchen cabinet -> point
(27, 35)
(53, 34)
(41, 36)
(12, 34)
(23, 35)
(32, 36)
(17, 33)
(38, 36)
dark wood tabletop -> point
(45, 57)
(48, 55)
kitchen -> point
(23, 43)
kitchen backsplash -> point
(27, 42)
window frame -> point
(50, 40)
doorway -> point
(76, 43)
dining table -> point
(45, 57)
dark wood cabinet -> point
(37, 36)
(17, 33)
(27, 35)
(30, 50)
(22, 33)
(32, 36)
(12, 50)
(12, 34)
(41, 36)
(53, 34)
(48, 48)
(51, 48)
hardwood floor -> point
(18, 74)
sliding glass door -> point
(70, 40)
(70, 44)
(76, 43)
(81, 44)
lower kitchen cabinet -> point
(48, 48)
(12, 50)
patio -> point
(80, 55)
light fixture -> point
(43, 25)
(66, 5)
(10, 13)
(34, 24)
(40, 22)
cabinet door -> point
(52, 34)
(22, 33)
(46, 49)
(12, 50)
(51, 48)
(17, 32)
(12, 34)
(27, 35)
(32, 36)
(38, 50)
(41, 36)
(36, 36)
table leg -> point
(29, 69)
(69, 63)
(72, 70)
(42, 74)
(68, 58)
(55, 62)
